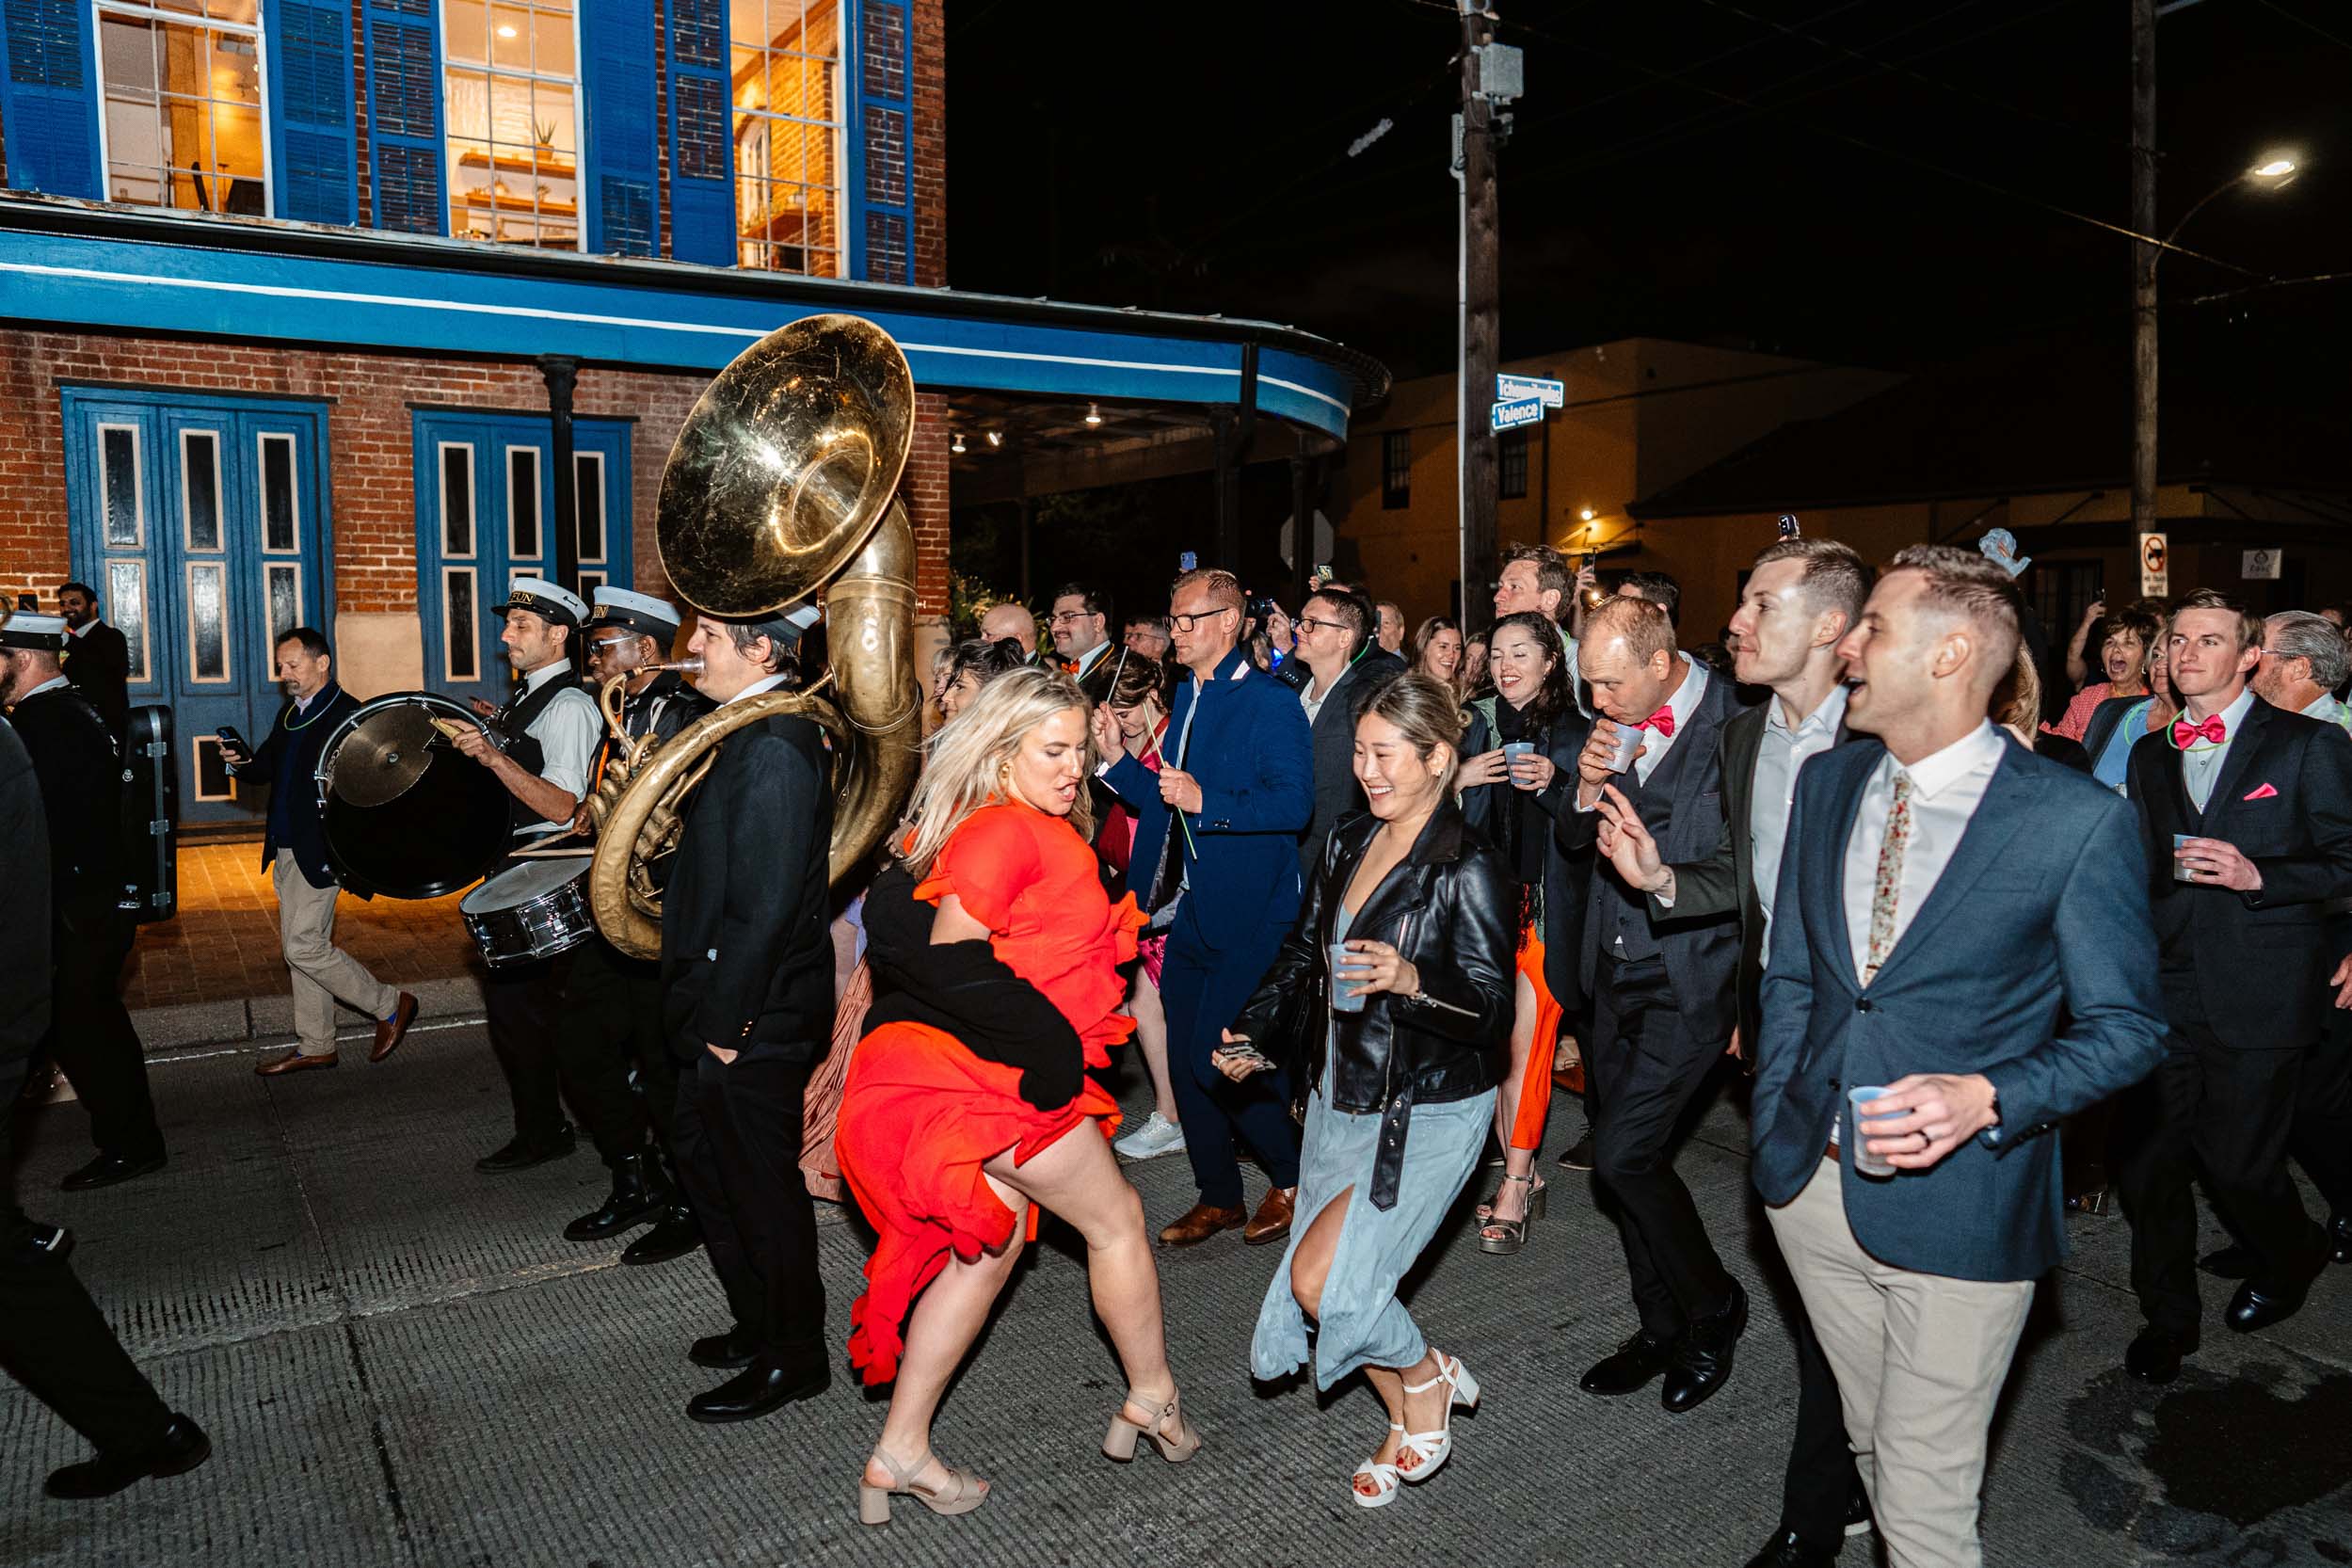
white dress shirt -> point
(2327, 709)
(2201, 765)
(1782, 754)
(1945, 790)
(568, 730)
(1684, 703)
(50, 684)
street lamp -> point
(2274, 172)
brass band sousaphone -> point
(781, 486)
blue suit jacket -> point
(287, 762)
(1250, 750)
(2043, 907)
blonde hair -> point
(2017, 699)
(971, 751)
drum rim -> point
(440, 887)
(581, 870)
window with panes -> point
(512, 112)
(1511, 464)
(181, 121)
(1396, 469)
(786, 61)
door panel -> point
(200, 520)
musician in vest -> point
(610, 1020)
(77, 763)
(547, 740)
(294, 852)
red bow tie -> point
(2187, 734)
(1662, 721)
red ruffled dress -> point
(921, 1114)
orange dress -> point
(920, 1113)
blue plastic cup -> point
(1512, 751)
(1867, 1163)
(1343, 997)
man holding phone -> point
(294, 852)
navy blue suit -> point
(1249, 748)
(288, 763)
(2042, 911)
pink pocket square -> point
(2266, 791)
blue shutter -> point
(617, 74)
(310, 121)
(49, 97)
(404, 115)
(702, 136)
(877, 59)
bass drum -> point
(407, 814)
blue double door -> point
(486, 514)
(200, 524)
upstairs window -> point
(1510, 463)
(513, 115)
(1396, 470)
(785, 59)
(182, 120)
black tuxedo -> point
(287, 762)
(747, 966)
(1662, 1011)
(98, 663)
(2244, 987)
(77, 763)
(1332, 736)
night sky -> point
(1882, 194)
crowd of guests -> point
(1365, 898)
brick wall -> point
(371, 473)
(925, 488)
(928, 146)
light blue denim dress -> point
(1363, 1323)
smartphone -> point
(233, 744)
(1189, 561)
(1790, 527)
(1241, 1050)
(1322, 569)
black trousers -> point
(608, 1022)
(2227, 1114)
(1822, 1473)
(1643, 1069)
(737, 1142)
(57, 1343)
(92, 1036)
(2322, 1139)
(521, 1002)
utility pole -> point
(1479, 304)
(2144, 256)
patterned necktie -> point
(1888, 885)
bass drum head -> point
(443, 831)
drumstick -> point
(450, 728)
(580, 854)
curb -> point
(268, 1020)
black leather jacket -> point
(1451, 909)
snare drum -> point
(534, 909)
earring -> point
(1004, 773)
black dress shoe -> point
(45, 1243)
(1790, 1550)
(1578, 1155)
(1701, 1361)
(2256, 1309)
(758, 1389)
(2340, 1239)
(1628, 1367)
(674, 1235)
(2154, 1355)
(519, 1154)
(728, 1351)
(638, 1194)
(107, 1169)
(2231, 1262)
(182, 1448)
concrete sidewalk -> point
(402, 1363)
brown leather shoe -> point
(389, 1032)
(1200, 1222)
(293, 1062)
(1271, 1222)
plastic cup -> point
(1867, 1163)
(2180, 872)
(1341, 999)
(1512, 751)
(1628, 742)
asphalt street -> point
(403, 1362)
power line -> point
(2306, 23)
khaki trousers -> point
(322, 971)
(1920, 1359)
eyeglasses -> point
(1312, 623)
(1186, 623)
(1066, 618)
(603, 643)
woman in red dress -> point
(939, 1144)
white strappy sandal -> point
(1433, 1449)
(1384, 1477)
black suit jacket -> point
(23, 919)
(287, 762)
(746, 961)
(1685, 812)
(99, 664)
(78, 763)
(1333, 737)
(1567, 874)
(2256, 963)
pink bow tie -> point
(2185, 733)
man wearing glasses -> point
(1216, 866)
(1080, 628)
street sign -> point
(2262, 566)
(2155, 575)
(1512, 415)
(1510, 389)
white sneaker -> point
(1155, 1137)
